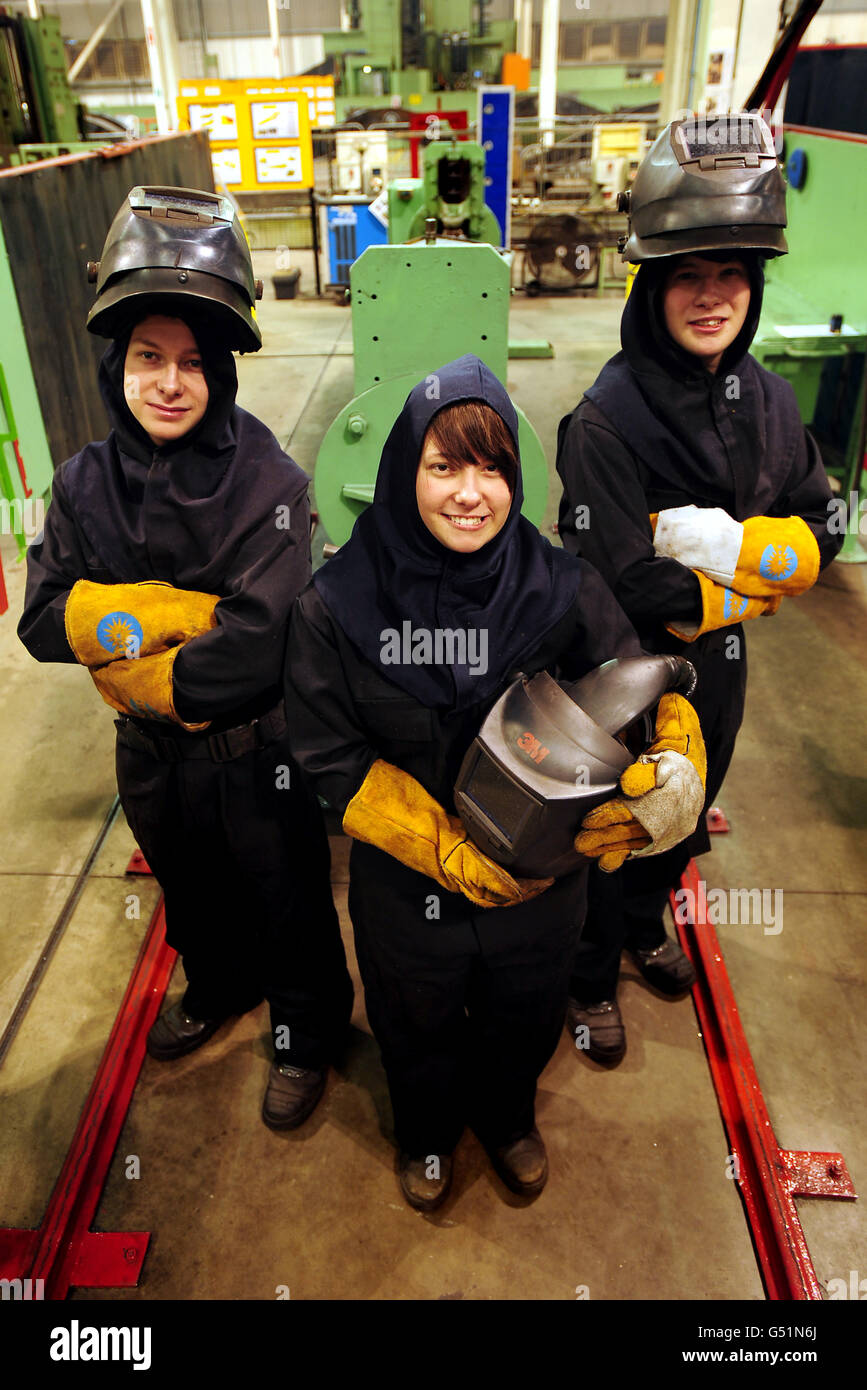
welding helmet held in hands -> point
(177, 246)
(549, 752)
(708, 183)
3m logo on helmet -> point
(529, 744)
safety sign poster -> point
(278, 165)
(259, 129)
(274, 120)
(219, 121)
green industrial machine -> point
(405, 200)
(37, 105)
(403, 47)
(414, 308)
(453, 193)
(813, 328)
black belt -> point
(218, 748)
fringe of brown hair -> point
(473, 432)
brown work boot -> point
(523, 1164)
(425, 1182)
(293, 1093)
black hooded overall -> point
(656, 431)
(238, 847)
(466, 1003)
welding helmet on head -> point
(708, 183)
(170, 248)
(551, 751)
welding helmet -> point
(173, 247)
(551, 751)
(708, 183)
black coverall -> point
(466, 1003)
(238, 846)
(621, 465)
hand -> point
(779, 556)
(394, 812)
(142, 686)
(666, 790)
(484, 882)
(701, 538)
(721, 607)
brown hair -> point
(472, 431)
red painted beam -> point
(768, 1176)
(64, 1252)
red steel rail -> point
(64, 1252)
(769, 1177)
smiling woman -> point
(163, 381)
(396, 652)
(466, 476)
(708, 499)
(197, 527)
(705, 303)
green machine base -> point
(415, 308)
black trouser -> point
(244, 867)
(626, 908)
(467, 1008)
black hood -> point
(393, 569)
(700, 431)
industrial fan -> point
(561, 253)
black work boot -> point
(666, 967)
(293, 1093)
(175, 1033)
(522, 1165)
(605, 1036)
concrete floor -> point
(638, 1205)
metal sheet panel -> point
(54, 218)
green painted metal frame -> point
(821, 277)
(414, 308)
(482, 223)
(22, 431)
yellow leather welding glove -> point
(665, 789)
(142, 686)
(762, 557)
(778, 556)
(111, 622)
(722, 607)
(394, 812)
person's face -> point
(705, 305)
(163, 381)
(463, 507)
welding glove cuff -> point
(113, 622)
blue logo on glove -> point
(120, 633)
(778, 562)
(733, 604)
